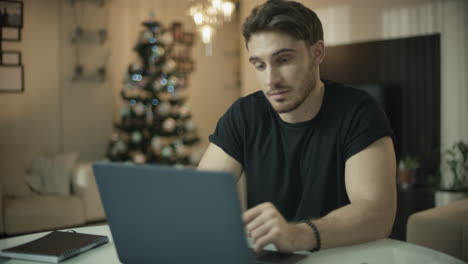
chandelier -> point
(209, 15)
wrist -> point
(315, 235)
(307, 240)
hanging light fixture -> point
(208, 15)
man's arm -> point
(371, 188)
(215, 159)
(370, 184)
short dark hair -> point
(288, 17)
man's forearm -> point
(355, 223)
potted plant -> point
(406, 172)
(454, 168)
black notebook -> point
(55, 246)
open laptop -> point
(160, 214)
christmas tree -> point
(156, 124)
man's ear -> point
(317, 51)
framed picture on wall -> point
(10, 34)
(11, 20)
(11, 14)
(11, 77)
(9, 57)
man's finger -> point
(266, 239)
(267, 214)
(260, 231)
(253, 212)
(257, 221)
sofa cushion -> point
(38, 212)
(51, 175)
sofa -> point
(444, 229)
(30, 204)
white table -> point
(386, 251)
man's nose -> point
(272, 77)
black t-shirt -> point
(300, 167)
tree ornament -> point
(139, 158)
(169, 125)
(156, 143)
(167, 152)
(157, 51)
(189, 125)
(184, 110)
(169, 66)
(139, 109)
(164, 108)
(173, 81)
(180, 149)
(147, 37)
(136, 137)
(167, 38)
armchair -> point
(444, 229)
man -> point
(318, 156)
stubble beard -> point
(296, 101)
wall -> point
(372, 20)
(86, 104)
(33, 117)
(57, 115)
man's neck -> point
(309, 108)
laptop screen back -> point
(164, 215)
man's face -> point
(284, 67)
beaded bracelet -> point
(316, 234)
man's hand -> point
(265, 225)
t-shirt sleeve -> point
(228, 132)
(365, 123)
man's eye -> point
(259, 66)
(284, 60)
